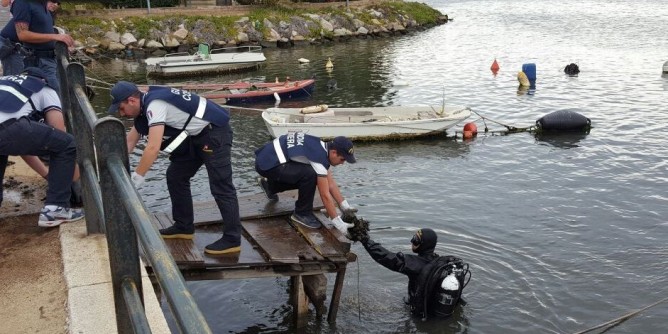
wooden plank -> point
(249, 255)
(278, 240)
(252, 207)
(325, 240)
(299, 301)
(183, 251)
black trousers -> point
(211, 148)
(294, 175)
(26, 137)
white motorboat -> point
(372, 123)
(221, 60)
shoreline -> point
(180, 29)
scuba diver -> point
(435, 283)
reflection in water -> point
(562, 140)
(561, 230)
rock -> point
(180, 34)
(112, 36)
(115, 46)
(326, 26)
(91, 42)
(154, 45)
(242, 37)
(128, 38)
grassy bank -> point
(222, 21)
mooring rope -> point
(510, 128)
(622, 318)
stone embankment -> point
(182, 33)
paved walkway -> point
(55, 280)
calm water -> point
(562, 234)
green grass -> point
(223, 27)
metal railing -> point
(114, 207)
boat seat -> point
(353, 113)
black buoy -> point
(572, 69)
(565, 120)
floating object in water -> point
(332, 84)
(665, 67)
(303, 60)
(400, 83)
(530, 70)
(565, 120)
(572, 69)
(495, 67)
(522, 78)
(470, 130)
(329, 63)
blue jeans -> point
(25, 137)
(12, 64)
(48, 65)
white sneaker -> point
(49, 218)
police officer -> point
(200, 134)
(33, 25)
(22, 95)
(301, 161)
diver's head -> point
(424, 241)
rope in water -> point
(510, 128)
(622, 318)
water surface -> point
(562, 234)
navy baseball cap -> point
(345, 147)
(119, 93)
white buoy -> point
(303, 60)
(665, 67)
(329, 63)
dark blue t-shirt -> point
(38, 18)
(9, 31)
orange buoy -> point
(470, 130)
(495, 66)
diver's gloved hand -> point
(341, 225)
(137, 179)
(346, 207)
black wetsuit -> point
(407, 264)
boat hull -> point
(249, 92)
(215, 63)
(381, 123)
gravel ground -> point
(33, 294)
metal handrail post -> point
(186, 312)
(121, 236)
(82, 115)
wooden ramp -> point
(271, 245)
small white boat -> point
(221, 60)
(373, 123)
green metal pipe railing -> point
(115, 208)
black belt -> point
(8, 122)
(42, 53)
